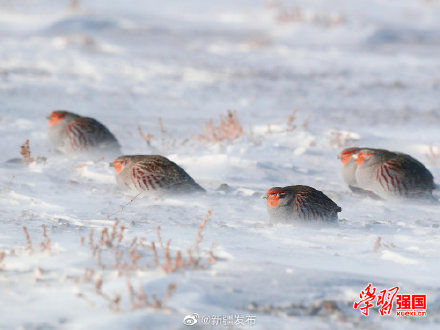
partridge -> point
(154, 173)
(300, 203)
(70, 133)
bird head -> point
(277, 196)
(363, 155)
(58, 116)
(348, 155)
(120, 163)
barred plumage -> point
(138, 173)
(393, 174)
(387, 174)
(71, 133)
(300, 203)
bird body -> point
(70, 133)
(300, 203)
(154, 173)
(386, 174)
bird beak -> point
(48, 117)
(338, 156)
(265, 196)
(112, 164)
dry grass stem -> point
(2, 257)
(25, 152)
(98, 284)
(140, 299)
(45, 245)
(341, 140)
(229, 129)
(306, 123)
(377, 244)
(146, 137)
(29, 247)
(285, 14)
(124, 206)
(91, 238)
(199, 236)
(162, 127)
(159, 238)
(167, 266)
(156, 259)
(290, 121)
(26, 158)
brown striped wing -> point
(157, 174)
(312, 204)
(403, 175)
(84, 133)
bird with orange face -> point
(349, 167)
(300, 203)
(70, 133)
(386, 174)
(152, 173)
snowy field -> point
(357, 72)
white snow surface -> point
(366, 70)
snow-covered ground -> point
(358, 72)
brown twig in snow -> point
(91, 238)
(124, 206)
(341, 139)
(156, 259)
(306, 123)
(290, 121)
(212, 257)
(121, 234)
(178, 262)
(377, 244)
(25, 152)
(114, 305)
(162, 127)
(28, 240)
(170, 290)
(45, 245)
(113, 234)
(228, 129)
(199, 236)
(98, 285)
(167, 266)
(159, 238)
(2, 257)
(135, 256)
(146, 137)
